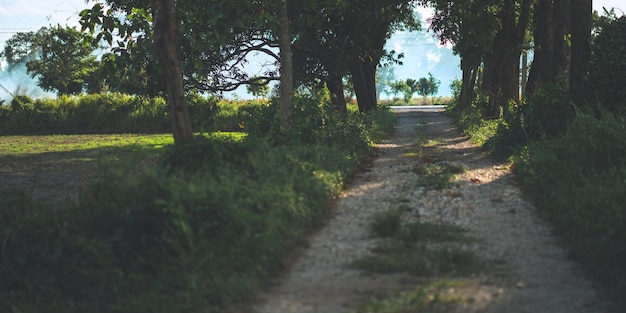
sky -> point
(422, 52)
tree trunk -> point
(562, 40)
(286, 67)
(168, 54)
(562, 44)
(581, 46)
(507, 48)
(364, 80)
(337, 97)
(468, 81)
(541, 68)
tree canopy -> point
(61, 58)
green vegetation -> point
(426, 297)
(425, 86)
(438, 175)
(199, 232)
(117, 113)
(424, 250)
(568, 148)
(578, 181)
(419, 248)
(29, 145)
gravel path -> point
(529, 272)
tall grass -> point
(113, 113)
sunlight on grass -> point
(427, 297)
(431, 143)
(25, 145)
(438, 175)
(411, 154)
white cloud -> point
(433, 58)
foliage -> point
(608, 65)
(427, 86)
(401, 87)
(258, 90)
(471, 120)
(419, 248)
(548, 112)
(438, 175)
(578, 181)
(200, 232)
(60, 57)
(428, 297)
(115, 113)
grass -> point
(200, 231)
(438, 175)
(419, 248)
(29, 145)
(52, 161)
(427, 297)
(436, 254)
(419, 101)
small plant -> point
(386, 223)
(438, 175)
(422, 249)
(427, 297)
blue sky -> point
(422, 52)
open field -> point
(56, 167)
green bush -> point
(578, 181)
(199, 232)
(608, 66)
(548, 112)
(118, 113)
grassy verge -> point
(578, 181)
(200, 232)
(574, 169)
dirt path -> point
(527, 271)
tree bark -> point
(364, 81)
(541, 70)
(561, 60)
(468, 82)
(286, 67)
(581, 46)
(337, 96)
(168, 54)
(503, 83)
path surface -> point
(529, 272)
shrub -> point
(22, 103)
(608, 67)
(548, 112)
(578, 181)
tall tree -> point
(369, 24)
(502, 65)
(168, 52)
(470, 26)
(320, 47)
(60, 57)
(286, 65)
(581, 46)
(562, 33)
